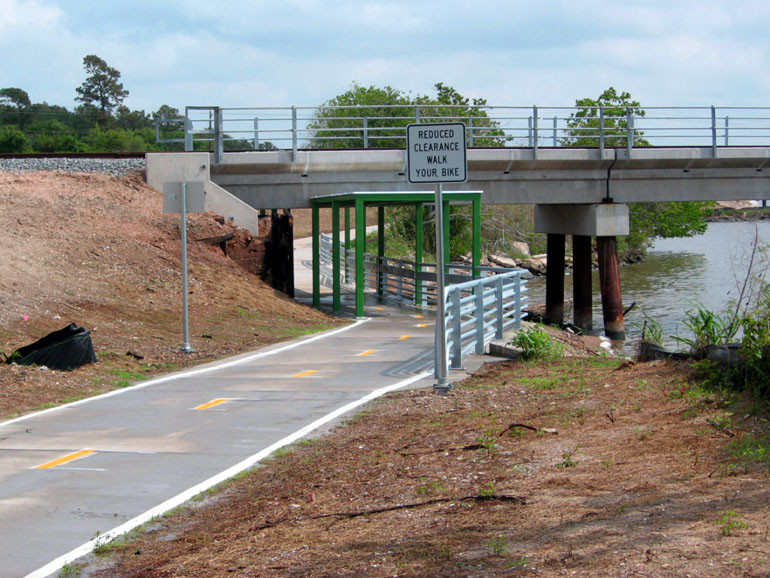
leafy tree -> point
(610, 111)
(132, 119)
(53, 136)
(450, 105)
(102, 88)
(383, 113)
(12, 140)
(17, 101)
(166, 112)
(646, 220)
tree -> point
(363, 116)
(102, 88)
(17, 101)
(646, 220)
(375, 117)
(609, 112)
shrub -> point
(536, 343)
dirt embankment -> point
(581, 467)
(98, 251)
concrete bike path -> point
(102, 465)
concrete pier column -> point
(581, 282)
(609, 280)
(554, 280)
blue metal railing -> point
(476, 310)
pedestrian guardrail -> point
(476, 310)
(384, 126)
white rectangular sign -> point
(436, 153)
(172, 197)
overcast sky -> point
(242, 53)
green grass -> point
(750, 449)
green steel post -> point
(347, 243)
(380, 249)
(316, 259)
(336, 290)
(476, 258)
(360, 241)
(418, 253)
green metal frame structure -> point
(360, 202)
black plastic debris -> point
(65, 349)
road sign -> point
(195, 197)
(436, 153)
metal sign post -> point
(183, 198)
(436, 153)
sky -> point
(257, 53)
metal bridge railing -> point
(476, 310)
(294, 128)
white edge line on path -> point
(188, 373)
(179, 499)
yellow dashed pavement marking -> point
(417, 316)
(421, 325)
(367, 352)
(65, 460)
(213, 402)
(378, 308)
(304, 373)
(404, 337)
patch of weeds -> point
(126, 378)
(430, 488)
(542, 383)
(280, 452)
(536, 343)
(488, 442)
(750, 449)
(291, 332)
(729, 521)
(641, 434)
(689, 413)
(516, 432)
(518, 563)
(566, 457)
(575, 415)
(70, 571)
(498, 546)
(489, 492)
(723, 420)
(608, 463)
(642, 385)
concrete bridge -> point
(577, 191)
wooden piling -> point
(609, 280)
(581, 282)
(554, 280)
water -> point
(678, 275)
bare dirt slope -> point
(97, 251)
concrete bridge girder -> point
(270, 179)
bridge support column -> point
(605, 222)
(581, 282)
(609, 279)
(554, 280)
